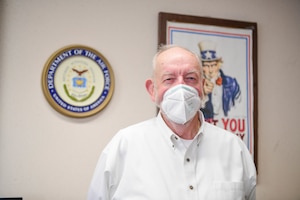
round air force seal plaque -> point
(78, 81)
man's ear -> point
(150, 88)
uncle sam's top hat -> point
(208, 51)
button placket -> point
(190, 170)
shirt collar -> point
(167, 133)
(201, 129)
(170, 136)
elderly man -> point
(176, 155)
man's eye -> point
(168, 79)
(191, 78)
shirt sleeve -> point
(249, 173)
(99, 187)
(102, 186)
(252, 194)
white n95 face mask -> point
(180, 103)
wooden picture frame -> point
(235, 42)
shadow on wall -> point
(2, 46)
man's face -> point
(211, 69)
(176, 66)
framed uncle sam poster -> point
(228, 51)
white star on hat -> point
(208, 55)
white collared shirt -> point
(147, 161)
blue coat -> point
(231, 92)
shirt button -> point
(188, 160)
(191, 187)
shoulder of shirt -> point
(130, 134)
(143, 124)
(134, 129)
(218, 132)
(222, 135)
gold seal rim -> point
(59, 108)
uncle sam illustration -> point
(222, 90)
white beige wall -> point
(45, 155)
